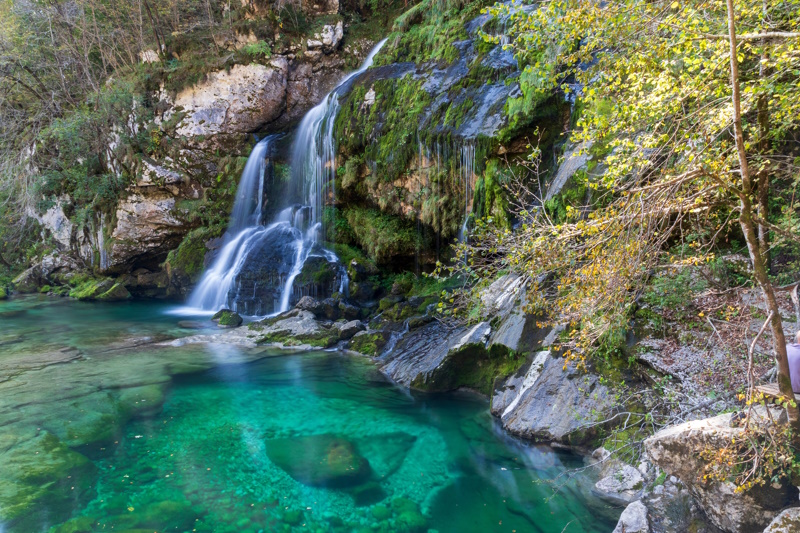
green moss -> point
(45, 289)
(88, 288)
(382, 236)
(490, 196)
(316, 273)
(228, 319)
(392, 121)
(369, 343)
(472, 366)
(3, 294)
(323, 338)
(117, 292)
(427, 31)
(189, 257)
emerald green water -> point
(103, 429)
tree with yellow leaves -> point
(692, 107)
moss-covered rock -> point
(185, 264)
(228, 319)
(39, 471)
(28, 281)
(117, 293)
(298, 328)
(370, 342)
(3, 294)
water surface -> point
(103, 429)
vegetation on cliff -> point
(696, 108)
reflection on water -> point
(96, 435)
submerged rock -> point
(39, 471)
(320, 460)
(191, 324)
(676, 450)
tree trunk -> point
(763, 148)
(749, 230)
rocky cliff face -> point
(209, 124)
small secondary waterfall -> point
(467, 173)
(314, 148)
(281, 248)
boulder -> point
(229, 319)
(545, 401)
(147, 228)
(28, 281)
(676, 450)
(348, 329)
(786, 522)
(310, 304)
(432, 357)
(633, 519)
(298, 328)
(320, 460)
(624, 485)
(370, 343)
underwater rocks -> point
(38, 470)
(320, 460)
(676, 450)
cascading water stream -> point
(467, 173)
(295, 234)
(314, 149)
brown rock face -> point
(677, 450)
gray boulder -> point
(633, 519)
(676, 450)
(431, 356)
(347, 330)
(786, 522)
(298, 328)
(546, 402)
(624, 485)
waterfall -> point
(314, 148)
(285, 245)
(467, 173)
